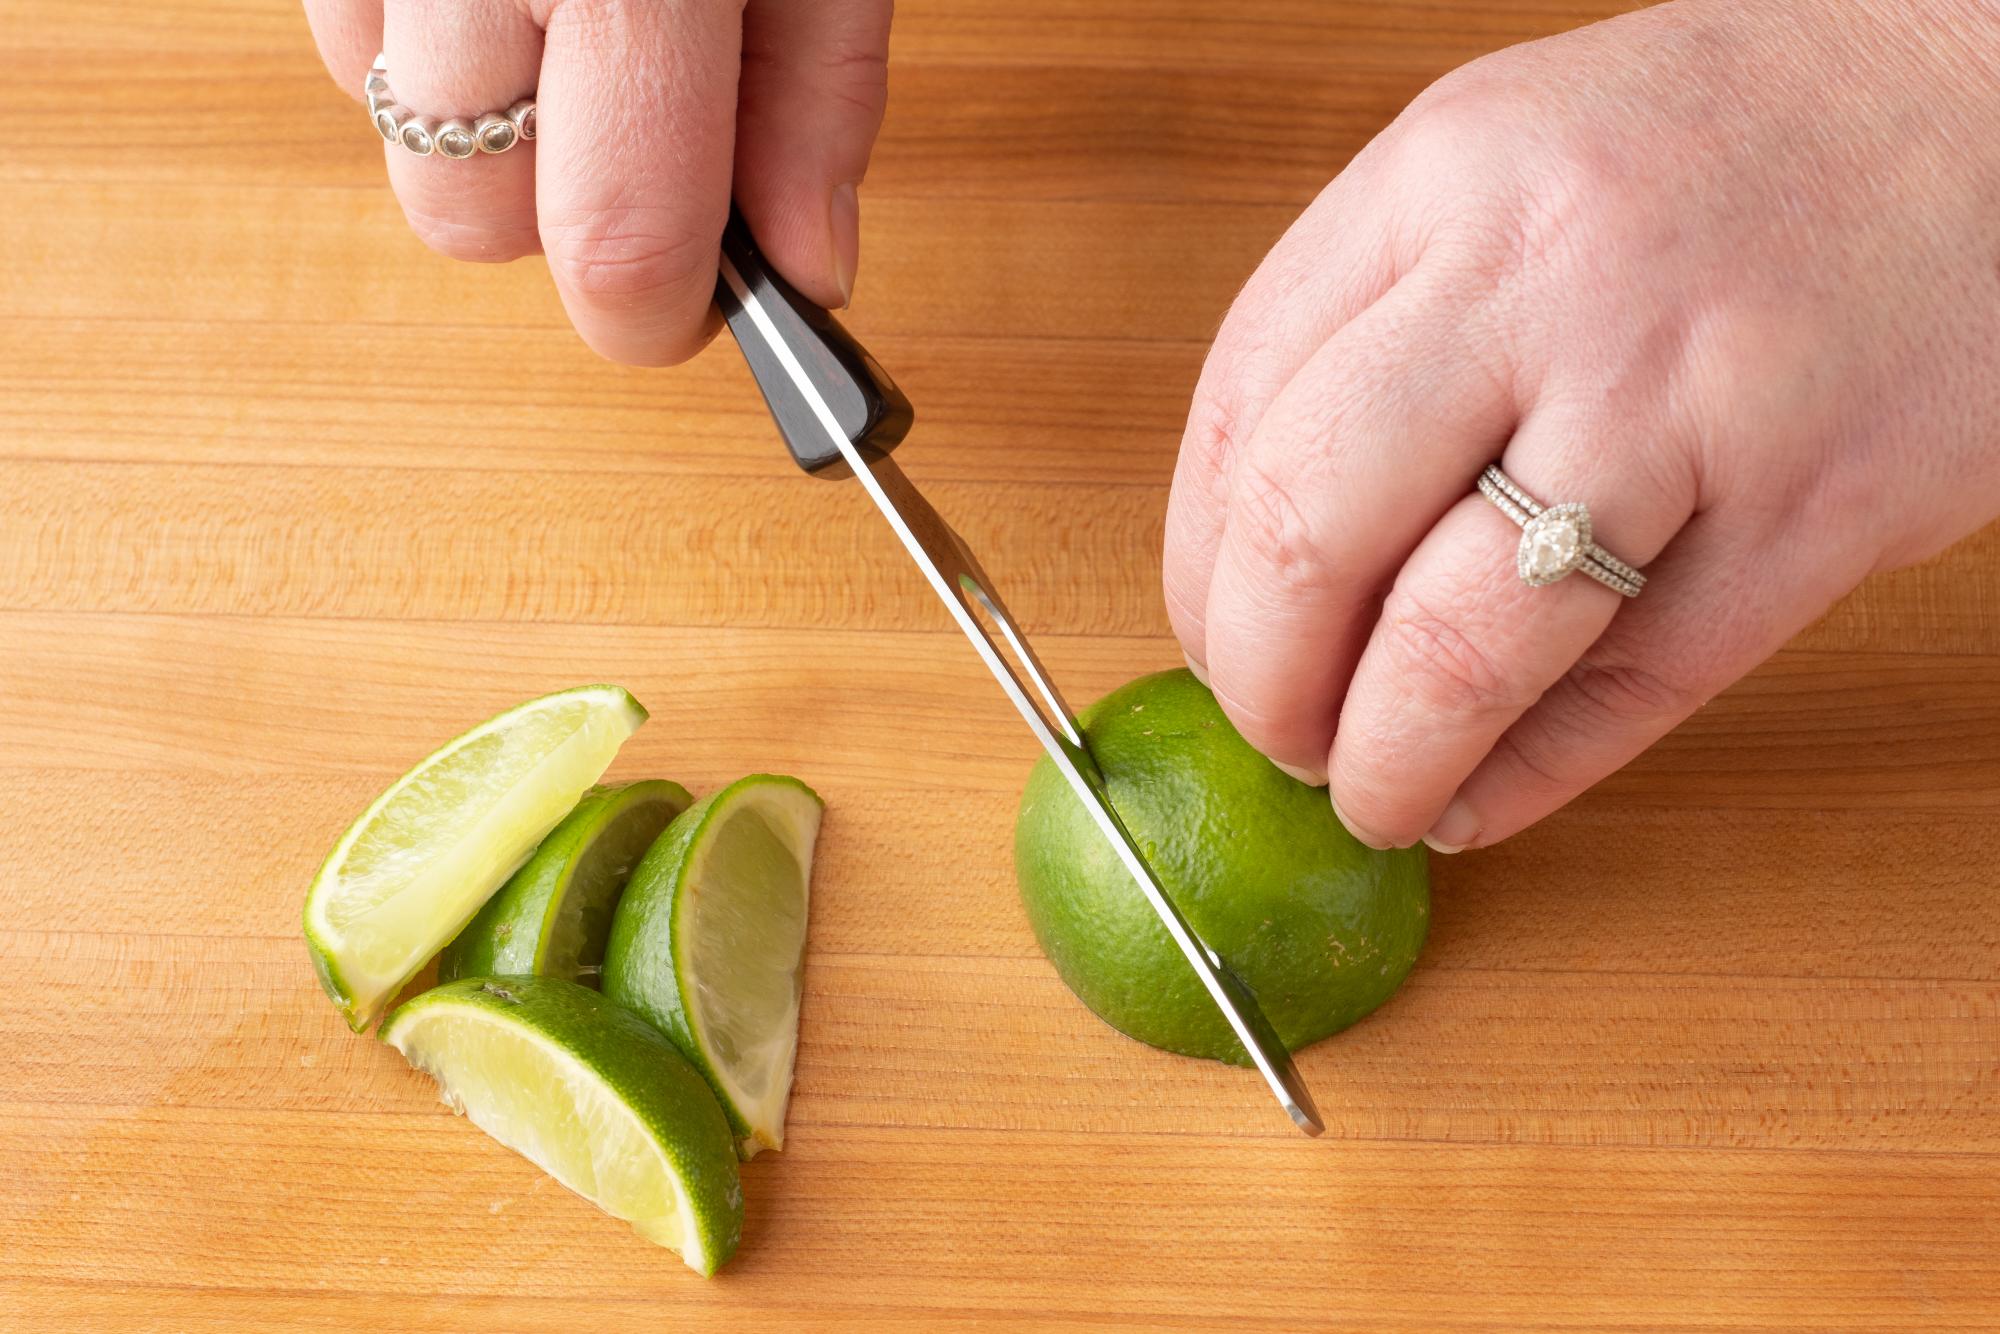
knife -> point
(840, 414)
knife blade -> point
(840, 414)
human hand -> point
(1727, 272)
(649, 115)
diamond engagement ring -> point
(1555, 539)
(454, 137)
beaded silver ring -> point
(453, 136)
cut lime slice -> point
(591, 1095)
(419, 862)
(709, 939)
(553, 915)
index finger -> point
(636, 114)
(1371, 441)
(1337, 259)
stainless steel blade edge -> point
(1068, 749)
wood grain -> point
(1716, 1048)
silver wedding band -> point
(453, 137)
(1555, 539)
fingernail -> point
(845, 217)
(1200, 672)
(1365, 839)
(1310, 777)
(1455, 829)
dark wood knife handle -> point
(864, 400)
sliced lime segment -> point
(553, 916)
(709, 941)
(592, 1095)
(422, 859)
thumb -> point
(815, 80)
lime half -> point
(591, 1095)
(709, 939)
(553, 915)
(1321, 928)
(419, 862)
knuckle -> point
(609, 257)
(1456, 120)
(1625, 692)
(1517, 204)
(1211, 438)
(856, 76)
(1559, 207)
(1440, 663)
(478, 239)
(1441, 117)
(850, 74)
(1601, 710)
(864, 101)
(1535, 759)
(1244, 369)
(1276, 533)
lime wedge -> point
(708, 942)
(419, 862)
(553, 915)
(591, 1095)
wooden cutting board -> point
(284, 500)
